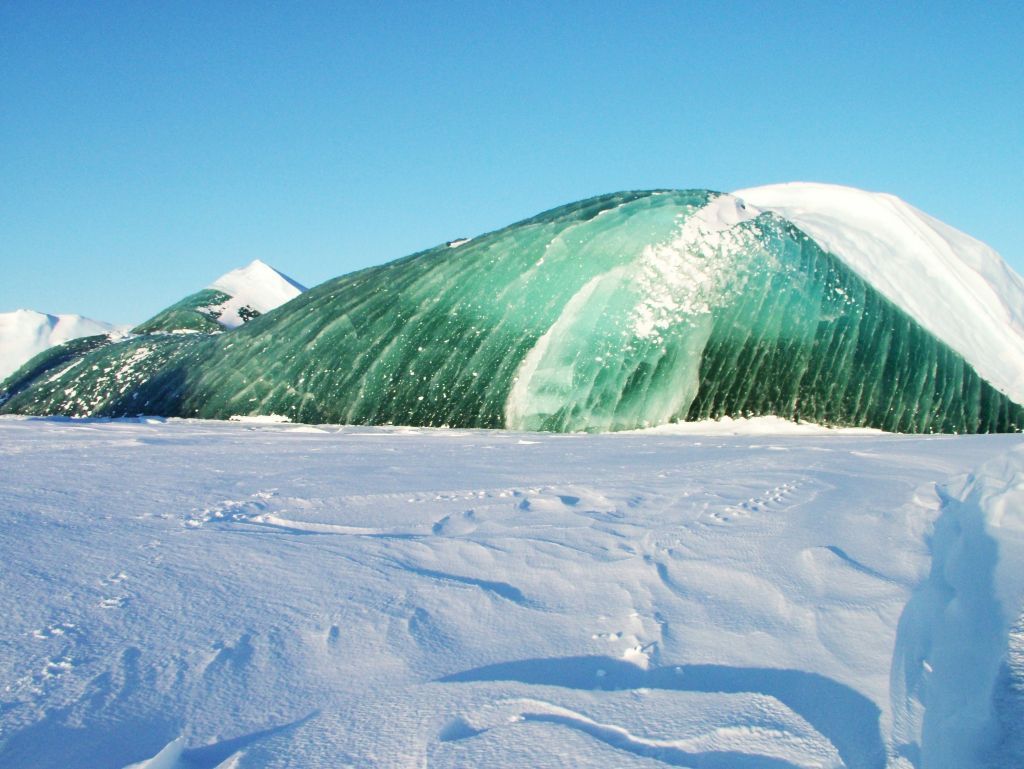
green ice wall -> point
(617, 312)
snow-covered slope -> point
(26, 333)
(257, 285)
(396, 598)
(955, 286)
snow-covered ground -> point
(191, 595)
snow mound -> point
(955, 633)
(768, 425)
(258, 286)
(26, 333)
(168, 758)
(956, 287)
(260, 418)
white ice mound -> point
(168, 758)
(257, 285)
(956, 287)
(26, 333)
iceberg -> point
(623, 311)
(26, 333)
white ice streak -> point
(524, 401)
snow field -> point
(196, 594)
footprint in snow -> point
(231, 510)
(115, 578)
(579, 501)
(54, 631)
(234, 657)
(456, 525)
(781, 497)
(333, 636)
(57, 666)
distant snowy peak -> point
(956, 287)
(257, 286)
(26, 333)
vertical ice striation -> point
(617, 312)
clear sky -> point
(146, 148)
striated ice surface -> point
(619, 312)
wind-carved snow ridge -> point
(688, 274)
(744, 747)
(954, 638)
(168, 758)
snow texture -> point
(953, 285)
(182, 594)
(26, 333)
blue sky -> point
(146, 148)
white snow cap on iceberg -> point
(26, 333)
(257, 285)
(956, 287)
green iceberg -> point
(623, 311)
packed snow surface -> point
(26, 333)
(257, 285)
(955, 286)
(185, 594)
